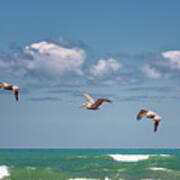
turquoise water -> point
(102, 164)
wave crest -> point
(134, 157)
(3, 172)
(83, 179)
(128, 157)
(160, 169)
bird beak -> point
(81, 106)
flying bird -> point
(151, 115)
(13, 88)
(91, 104)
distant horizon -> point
(86, 148)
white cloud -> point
(54, 59)
(43, 59)
(105, 67)
(173, 57)
(151, 72)
(46, 60)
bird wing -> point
(89, 98)
(157, 118)
(100, 101)
(141, 114)
(16, 94)
(156, 123)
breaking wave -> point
(160, 169)
(83, 179)
(106, 178)
(3, 172)
(133, 157)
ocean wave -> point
(106, 178)
(165, 155)
(83, 179)
(3, 172)
(129, 158)
(160, 169)
(31, 168)
(134, 157)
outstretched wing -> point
(156, 123)
(89, 98)
(100, 101)
(141, 114)
(16, 94)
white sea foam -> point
(3, 172)
(134, 157)
(160, 169)
(31, 168)
(165, 155)
(129, 157)
(106, 178)
(83, 179)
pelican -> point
(151, 115)
(91, 104)
(13, 88)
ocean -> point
(89, 164)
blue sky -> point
(56, 50)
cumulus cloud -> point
(151, 72)
(173, 57)
(104, 67)
(44, 59)
(66, 64)
(54, 59)
(61, 60)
